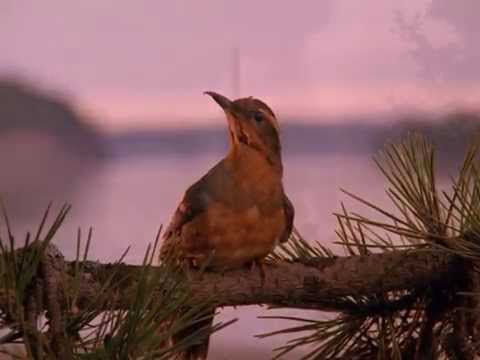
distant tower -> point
(236, 73)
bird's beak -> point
(234, 123)
(221, 100)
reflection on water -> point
(126, 199)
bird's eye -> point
(258, 116)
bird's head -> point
(252, 125)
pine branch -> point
(323, 284)
(35, 285)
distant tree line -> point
(451, 134)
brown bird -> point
(238, 212)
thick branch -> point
(317, 285)
(51, 269)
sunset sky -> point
(146, 63)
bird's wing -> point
(183, 230)
(193, 205)
(289, 211)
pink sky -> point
(146, 63)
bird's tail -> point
(198, 351)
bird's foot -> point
(261, 267)
(187, 267)
(191, 268)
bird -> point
(237, 213)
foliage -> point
(413, 322)
(102, 330)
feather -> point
(289, 211)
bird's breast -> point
(236, 236)
(248, 235)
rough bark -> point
(317, 285)
(51, 268)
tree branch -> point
(51, 268)
(319, 285)
(322, 284)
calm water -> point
(126, 200)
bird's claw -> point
(261, 268)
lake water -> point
(126, 199)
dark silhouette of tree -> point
(46, 148)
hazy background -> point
(101, 105)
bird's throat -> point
(254, 165)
